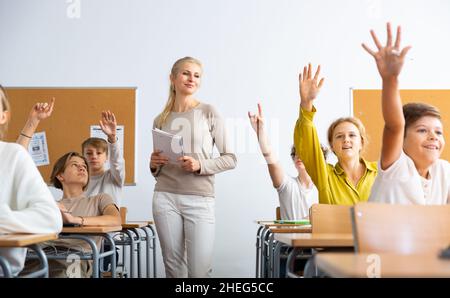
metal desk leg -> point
(271, 257)
(276, 259)
(265, 235)
(95, 253)
(123, 254)
(132, 243)
(154, 249)
(4, 264)
(290, 264)
(113, 255)
(149, 247)
(147, 252)
(139, 249)
(262, 253)
(310, 270)
(43, 271)
(258, 250)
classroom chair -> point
(403, 229)
(327, 218)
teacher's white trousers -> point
(185, 226)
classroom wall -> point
(252, 51)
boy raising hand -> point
(97, 151)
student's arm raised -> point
(275, 169)
(389, 60)
(108, 124)
(40, 111)
(306, 140)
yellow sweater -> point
(331, 181)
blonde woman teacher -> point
(183, 200)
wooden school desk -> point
(390, 265)
(265, 243)
(312, 240)
(29, 241)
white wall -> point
(252, 51)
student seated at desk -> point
(295, 194)
(410, 171)
(102, 180)
(71, 174)
(97, 151)
(26, 204)
(350, 180)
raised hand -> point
(39, 111)
(108, 124)
(257, 120)
(257, 123)
(42, 110)
(309, 86)
(389, 58)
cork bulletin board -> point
(367, 107)
(75, 110)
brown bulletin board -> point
(75, 110)
(367, 107)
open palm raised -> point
(309, 86)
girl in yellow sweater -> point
(350, 180)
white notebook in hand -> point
(169, 144)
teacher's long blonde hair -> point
(5, 109)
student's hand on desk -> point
(42, 110)
(308, 86)
(389, 58)
(108, 124)
(189, 164)
(67, 216)
(157, 159)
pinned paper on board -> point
(38, 149)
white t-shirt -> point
(295, 200)
(402, 184)
(26, 204)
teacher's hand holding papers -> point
(189, 164)
(157, 159)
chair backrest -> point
(327, 218)
(123, 214)
(403, 229)
(278, 213)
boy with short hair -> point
(97, 151)
(410, 168)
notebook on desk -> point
(70, 225)
(169, 144)
(294, 222)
